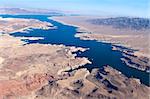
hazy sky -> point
(98, 7)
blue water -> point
(99, 53)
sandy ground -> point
(1, 60)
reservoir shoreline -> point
(42, 61)
(68, 39)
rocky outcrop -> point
(26, 68)
(104, 83)
(132, 60)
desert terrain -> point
(11, 25)
(44, 71)
(132, 33)
(25, 68)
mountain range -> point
(23, 11)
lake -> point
(99, 53)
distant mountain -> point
(123, 22)
(23, 11)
